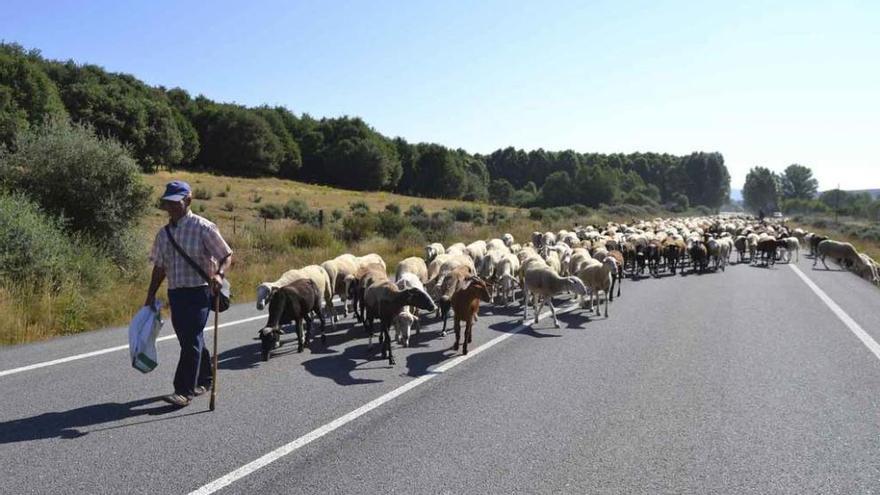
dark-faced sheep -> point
(385, 301)
(291, 304)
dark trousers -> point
(189, 313)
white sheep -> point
(414, 265)
(508, 239)
(598, 277)
(791, 244)
(409, 280)
(543, 283)
(338, 269)
(432, 250)
(842, 251)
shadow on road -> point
(249, 355)
(65, 424)
(338, 367)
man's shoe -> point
(177, 400)
(201, 389)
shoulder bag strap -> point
(185, 256)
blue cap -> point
(176, 190)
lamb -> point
(792, 244)
(599, 278)
(545, 284)
(385, 301)
(505, 275)
(366, 276)
(868, 269)
(338, 270)
(414, 265)
(452, 282)
(316, 273)
(466, 304)
(476, 250)
(408, 281)
(432, 250)
(844, 252)
(291, 303)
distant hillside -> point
(875, 193)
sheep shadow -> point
(339, 367)
(513, 325)
(419, 363)
(250, 355)
(575, 320)
(65, 424)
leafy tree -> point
(440, 174)
(123, 107)
(558, 190)
(761, 190)
(236, 141)
(27, 95)
(798, 183)
(501, 191)
(596, 185)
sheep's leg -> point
(456, 325)
(606, 305)
(445, 317)
(620, 282)
(299, 335)
(323, 337)
(539, 308)
(553, 312)
(468, 327)
(525, 303)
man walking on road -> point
(189, 294)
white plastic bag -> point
(142, 333)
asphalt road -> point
(742, 381)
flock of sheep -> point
(587, 262)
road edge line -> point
(847, 320)
(99, 352)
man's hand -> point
(216, 283)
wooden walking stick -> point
(214, 357)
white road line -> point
(319, 432)
(854, 327)
(110, 349)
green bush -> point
(416, 210)
(496, 216)
(272, 211)
(92, 181)
(536, 213)
(336, 215)
(199, 208)
(308, 237)
(393, 208)
(300, 211)
(466, 213)
(201, 193)
(222, 194)
(580, 210)
(390, 224)
(359, 207)
(409, 237)
(229, 206)
(33, 247)
(358, 227)
(256, 198)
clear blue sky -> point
(765, 83)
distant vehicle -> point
(777, 214)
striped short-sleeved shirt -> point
(201, 241)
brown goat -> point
(465, 305)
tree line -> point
(169, 129)
(795, 190)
